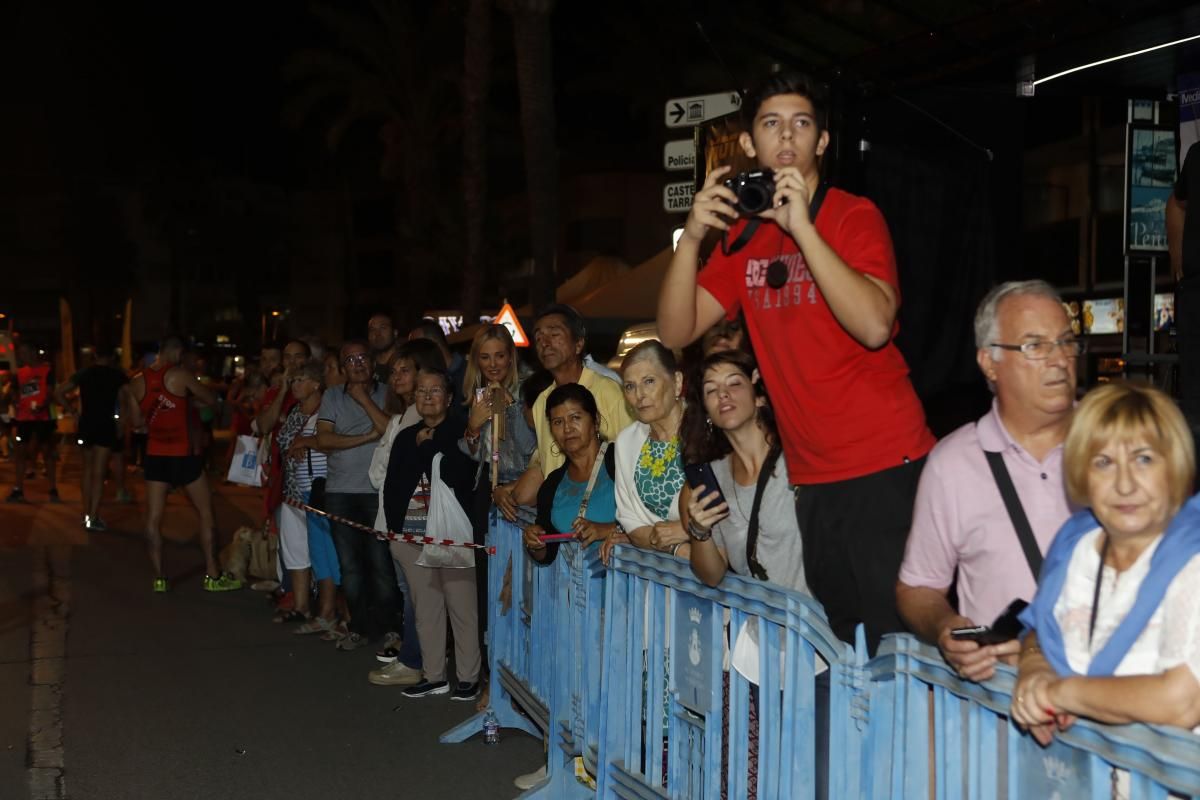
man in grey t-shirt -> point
(347, 436)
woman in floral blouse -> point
(649, 460)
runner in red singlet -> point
(165, 394)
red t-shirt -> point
(843, 410)
(33, 393)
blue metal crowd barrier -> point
(517, 674)
(930, 729)
(628, 668)
(546, 655)
(661, 619)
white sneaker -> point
(530, 779)
(396, 673)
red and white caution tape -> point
(389, 536)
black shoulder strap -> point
(764, 475)
(743, 238)
(1033, 555)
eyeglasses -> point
(1042, 348)
(355, 358)
(434, 392)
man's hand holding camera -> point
(712, 207)
(789, 205)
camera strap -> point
(743, 239)
(1016, 513)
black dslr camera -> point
(754, 190)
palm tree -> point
(475, 79)
(390, 68)
(535, 82)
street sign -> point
(508, 318)
(680, 154)
(683, 112)
(678, 196)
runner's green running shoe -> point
(223, 583)
(160, 585)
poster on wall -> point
(1149, 181)
(1106, 315)
(1189, 111)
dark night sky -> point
(106, 91)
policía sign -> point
(679, 155)
(678, 196)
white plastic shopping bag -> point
(446, 520)
(244, 468)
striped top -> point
(298, 475)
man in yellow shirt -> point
(560, 336)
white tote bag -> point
(446, 520)
(244, 468)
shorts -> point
(293, 538)
(40, 429)
(173, 470)
(321, 552)
(98, 433)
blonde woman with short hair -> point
(1116, 619)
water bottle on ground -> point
(491, 728)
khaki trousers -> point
(436, 591)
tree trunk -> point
(475, 80)
(535, 81)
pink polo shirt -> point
(960, 523)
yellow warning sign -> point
(508, 318)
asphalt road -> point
(110, 691)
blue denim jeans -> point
(368, 577)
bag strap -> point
(308, 450)
(1008, 492)
(587, 492)
(760, 488)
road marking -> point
(47, 671)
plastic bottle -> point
(491, 728)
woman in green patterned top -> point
(649, 461)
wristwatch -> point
(698, 533)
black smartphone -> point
(702, 475)
(1006, 627)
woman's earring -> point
(708, 421)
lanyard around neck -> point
(1096, 591)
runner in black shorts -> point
(103, 400)
(175, 471)
(164, 395)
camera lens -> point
(753, 198)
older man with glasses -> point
(347, 435)
(992, 495)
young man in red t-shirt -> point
(818, 286)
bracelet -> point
(675, 548)
(471, 437)
(698, 533)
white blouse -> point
(1172, 636)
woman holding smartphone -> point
(747, 522)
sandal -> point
(336, 633)
(313, 625)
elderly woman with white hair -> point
(649, 454)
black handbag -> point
(316, 495)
